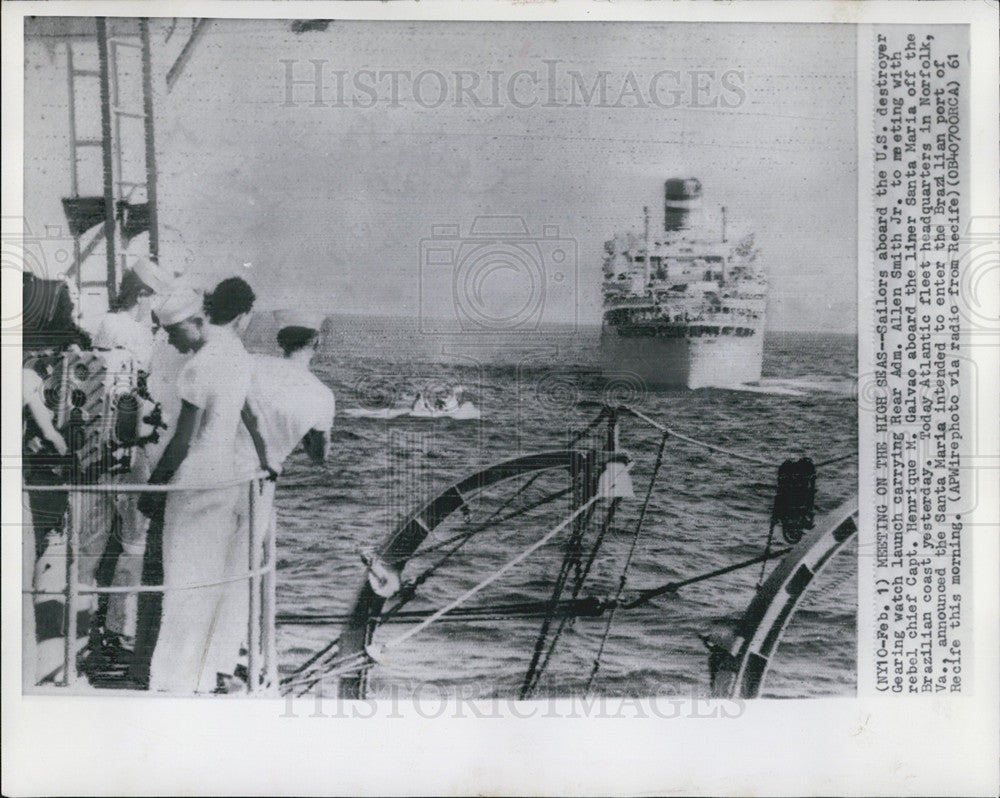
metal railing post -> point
(270, 604)
(253, 622)
(72, 594)
(260, 577)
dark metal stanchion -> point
(270, 606)
(72, 595)
(253, 621)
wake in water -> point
(845, 386)
(467, 411)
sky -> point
(333, 206)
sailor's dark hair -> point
(292, 339)
(228, 300)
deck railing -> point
(260, 577)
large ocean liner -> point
(685, 308)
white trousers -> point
(200, 547)
(123, 607)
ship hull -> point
(684, 361)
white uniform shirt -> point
(216, 380)
(289, 401)
(122, 331)
(31, 385)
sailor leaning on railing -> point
(199, 525)
(235, 411)
(292, 406)
(281, 404)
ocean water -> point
(706, 510)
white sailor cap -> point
(153, 275)
(178, 306)
(309, 319)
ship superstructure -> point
(687, 307)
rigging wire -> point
(647, 595)
(570, 560)
(311, 659)
(535, 671)
(494, 576)
(483, 525)
(578, 585)
(522, 489)
(719, 449)
(407, 593)
(590, 607)
(710, 446)
(365, 659)
(767, 549)
(328, 663)
(628, 563)
(833, 460)
(586, 607)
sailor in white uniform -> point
(293, 406)
(199, 525)
(130, 327)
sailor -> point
(296, 406)
(130, 327)
(37, 428)
(42, 449)
(293, 407)
(199, 524)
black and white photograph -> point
(586, 313)
(489, 368)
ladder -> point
(128, 158)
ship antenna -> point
(725, 255)
(645, 263)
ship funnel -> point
(682, 198)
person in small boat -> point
(420, 404)
(199, 525)
(294, 408)
(451, 402)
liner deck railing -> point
(260, 576)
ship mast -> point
(725, 256)
(645, 262)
